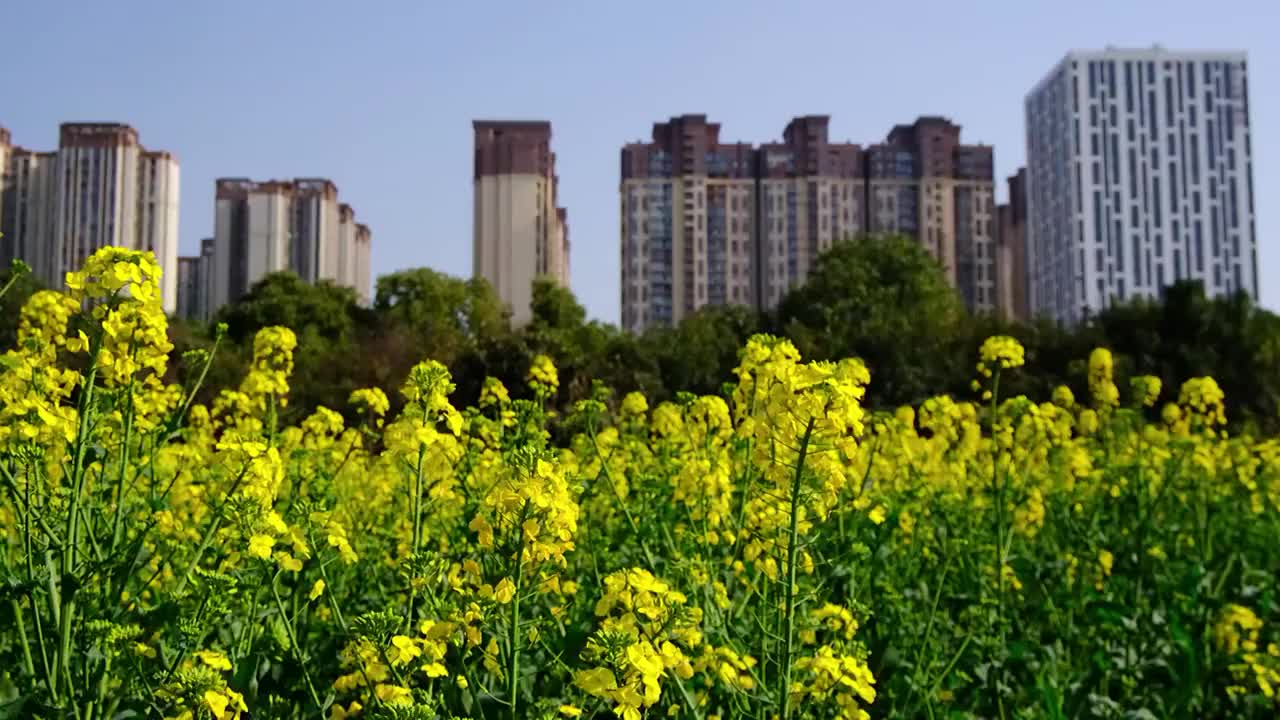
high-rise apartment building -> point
(252, 235)
(27, 205)
(6, 148)
(923, 182)
(353, 254)
(364, 270)
(1139, 174)
(519, 231)
(203, 305)
(188, 286)
(100, 188)
(712, 223)
(688, 209)
(276, 226)
(195, 280)
(316, 220)
(1012, 281)
(811, 194)
(560, 268)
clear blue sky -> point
(379, 96)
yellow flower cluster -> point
(642, 639)
(843, 680)
(370, 400)
(34, 390)
(1101, 386)
(124, 288)
(1002, 351)
(1236, 633)
(1203, 399)
(533, 507)
(543, 377)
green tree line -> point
(884, 299)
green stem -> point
(213, 528)
(329, 590)
(28, 550)
(28, 662)
(997, 492)
(117, 525)
(177, 419)
(417, 531)
(604, 471)
(244, 643)
(67, 612)
(293, 640)
(13, 278)
(102, 686)
(793, 550)
(513, 668)
(997, 496)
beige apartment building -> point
(353, 254)
(687, 207)
(251, 235)
(1014, 281)
(195, 281)
(284, 225)
(812, 194)
(519, 231)
(27, 194)
(923, 182)
(101, 187)
(712, 223)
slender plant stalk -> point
(513, 667)
(416, 540)
(72, 544)
(513, 670)
(209, 533)
(116, 526)
(297, 651)
(997, 494)
(793, 551)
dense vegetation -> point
(318, 522)
(883, 300)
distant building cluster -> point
(706, 222)
(1139, 174)
(101, 188)
(276, 226)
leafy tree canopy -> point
(324, 309)
(883, 299)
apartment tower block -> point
(1013, 281)
(519, 231)
(1139, 174)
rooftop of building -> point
(238, 185)
(540, 129)
(1152, 53)
(96, 127)
(96, 133)
(511, 124)
(1155, 51)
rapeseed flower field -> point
(780, 551)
